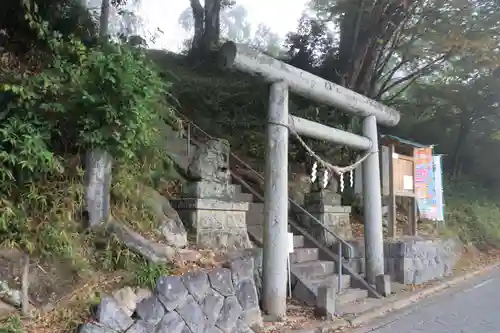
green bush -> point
(107, 96)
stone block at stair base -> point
(322, 198)
(303, 292)
(325, 303)
(383, 285)
(218, 225)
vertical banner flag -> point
(438, 182)
(425, 189)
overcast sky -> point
(164, 15)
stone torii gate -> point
(284, 78)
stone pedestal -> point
(325, 206)
(207, 209)
(218, 224)
(207, 205)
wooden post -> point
(392, 195)
(413, 220)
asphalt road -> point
(471, 307)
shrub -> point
(107, 96)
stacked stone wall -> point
(416, 261)
(224, 300)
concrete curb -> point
(415, 298)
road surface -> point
(470, 307)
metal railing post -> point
(339, 270)
(189, 139)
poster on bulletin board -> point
(425, 189)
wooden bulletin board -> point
(401, 181)
(403, 175)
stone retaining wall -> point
(415, 260)
(222, 300)
(412, 260)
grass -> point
(47, 223)
(11, 324)
(473, 214)
(45, 220)
(75, 308)
(148, 273)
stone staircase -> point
(309, 271)
(311, 267)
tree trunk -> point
(365, 30)
(206, 28)
(463, 134)
(104, 19)
(212, 24)
(199, 26)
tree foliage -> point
(66, 16)
(459, 111)
(380, 47)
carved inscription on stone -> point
(97, 186)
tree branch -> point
(380, 66)
(416, 73)
(391, 74)
(400, 91)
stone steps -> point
(181, 160)
(351, 309)
(308, 272)
(304, 255)
(176, 144)
(298, 241)
(313, 268)
(306, 289)
(313, 273)
(242, 196)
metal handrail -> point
(296, 205)
(304, 232)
